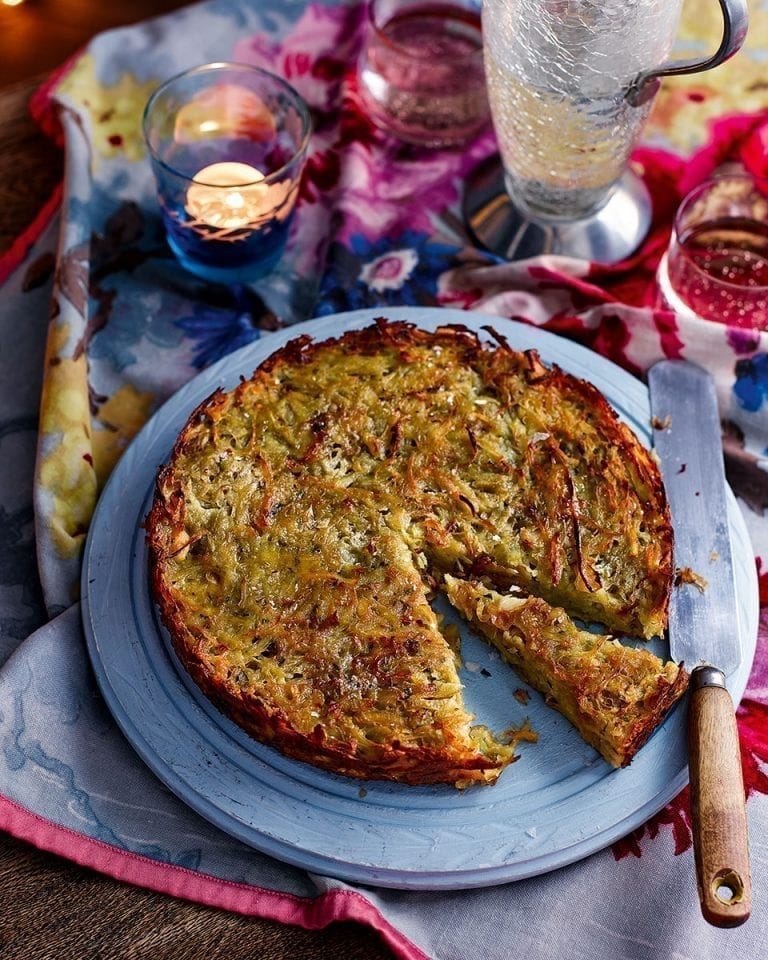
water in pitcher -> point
(556, 72)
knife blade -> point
(704, 629)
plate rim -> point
(181, 403)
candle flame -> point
(233, 196)
(229, 195)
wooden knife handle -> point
(717, 802)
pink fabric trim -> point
(186, 884)
(14, 256)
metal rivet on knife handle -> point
(717, 802)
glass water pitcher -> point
(571, 84)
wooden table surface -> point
(50, 908)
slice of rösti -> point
(614, 695)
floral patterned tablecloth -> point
(378, 223)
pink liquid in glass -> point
(719, 269)
(422, 77)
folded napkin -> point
(377, 224)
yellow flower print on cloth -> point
(117, 421)
(114, 110)
(66, 488)
(79, 446)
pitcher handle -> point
(735, 21)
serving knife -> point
(704, 630)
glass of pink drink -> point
(716, 266)
(421, 70)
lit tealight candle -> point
(248, 200)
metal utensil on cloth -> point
(703, 630)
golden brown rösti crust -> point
(303, 518)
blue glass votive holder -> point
(227, 144)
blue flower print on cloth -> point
(217, 330)
(751, 386)
(384, 272)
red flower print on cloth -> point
(739, 138)
(752, 716)
(313, 55)
(762, 579)
(753, 732)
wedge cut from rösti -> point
(615, 695)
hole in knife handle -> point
(727, 886)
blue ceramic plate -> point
(557, 804)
